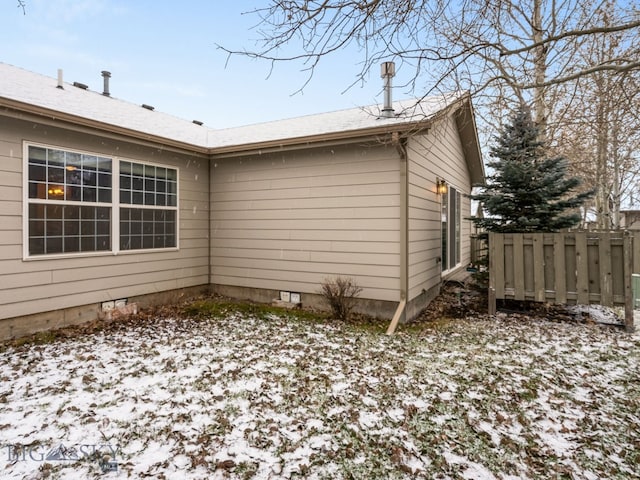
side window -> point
(451, 224)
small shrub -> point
(340, 293)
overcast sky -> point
(163, 53)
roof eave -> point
(57, 116)
(367, 134)
(465, 121)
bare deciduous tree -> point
(490, 46)
(600, 125)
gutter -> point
(364, 135)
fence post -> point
(628, 295)
(491, 293)
(636, 250)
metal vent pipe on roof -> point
(106, 76)
(388, 71)
(60, 83)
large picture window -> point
(79, 203)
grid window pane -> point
(37, 190)
(60, 175)
(104, 195)
(90, 162)
(68, 229)
(55, 175)
(55, 158)
(37, 173)
(37, 155)
(89, 194)
(146, 228)
(147, 185)
(89, 178)
(137, 183)
(72, 244)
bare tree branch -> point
(582, 73)
(572, 33)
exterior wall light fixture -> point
(441, 187)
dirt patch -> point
(456, 300)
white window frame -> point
(115, 205)
(454, 240)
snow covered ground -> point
(268, 398)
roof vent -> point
(60, 83)
(80, 85)
(197, 122)
(388, 71)
(106, 76)
(148, 107)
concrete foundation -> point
(17, 327)
(416, 305)
(27, 325)
(375, 308)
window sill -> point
(68, 256)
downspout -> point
(401, 147)
(210, 226)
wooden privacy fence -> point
(568, 268)
(479, 248)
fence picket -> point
(604, 261)
(560, 281)
(587, 262)
(518, 266)
(582, 269)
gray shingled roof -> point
(24, 88)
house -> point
(103, 200)
(630, 219)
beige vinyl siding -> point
(287, 221)
(10, 197)
(40, 285)
(436, 154)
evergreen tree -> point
(527, 192)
